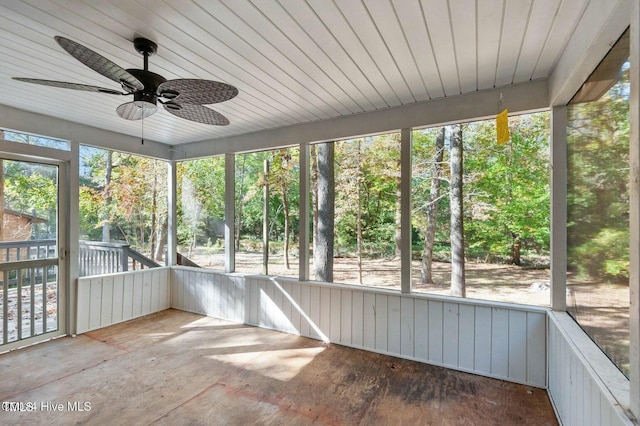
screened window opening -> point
(598, 205)
(267, 200)
(123, 211)
(502, 227)
(200, 212)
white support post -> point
(72, 236)
(303, 233)
(229, 212)
(634, 213)
(559, 208)
(405, 207)
(172, 228)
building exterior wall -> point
(15, 228)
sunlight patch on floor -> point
(282, 365)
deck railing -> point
(95, 257)
(14, 251)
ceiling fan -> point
(184, 98)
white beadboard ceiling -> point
(293, 61)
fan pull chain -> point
(142, 138)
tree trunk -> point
(154, 212)
(432, 210)
(239, 206)
(516, 248)
(457, 224)
(314, 192)
(265, 220)
(161, 240)
(106, 196)
(323, 250)
(398, 215)
(285, 204)
(359, 213)
(2, 195)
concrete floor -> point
(178, 368)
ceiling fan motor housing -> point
(151, 81)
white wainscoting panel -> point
(584, 385)
(109, 299)
(493, 339)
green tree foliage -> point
(136, 207)
(249, 175)
(379, 169)
(423, 154)
(284, 183)
(598, 179)
(31, 189)
(506, 189)
(200, 201)
(506, 194)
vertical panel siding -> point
(296, 318)
(369, 320)
(500, 342)
(421, 327)
(393, 325)
(536, 348)
(118, 298)
(407, 327)
(107, 300)
(305, 303)
(110, 299)
(496, 340)
(335, 297)
(346, 312)
(435, 332)
(576, 389)
(450, 341)
(518, 345)
(466, 336)
(381, 322)
(483, 341)
(127, 297)
(357, 318)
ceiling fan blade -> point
(66, 85)
(196, 92)
(197, 113)
(99, 63)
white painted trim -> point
(229, 212)
(559, 208)
(634, 212)
(304, 215)
(392, 292)
(518, 98)
(30, 122)
(67, 199)
(405, 203)
(64, 260)
(587, 47)
(73, 235)
(584, 385)
(39, 153)
(172, 206)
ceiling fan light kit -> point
(184, 98)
